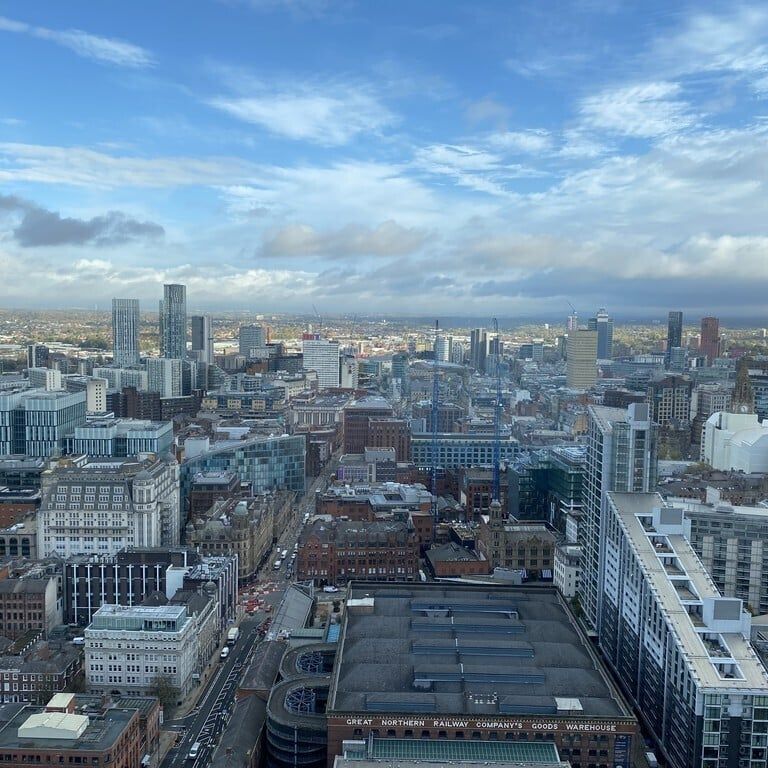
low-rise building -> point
(16, 503)
(461, 450)
(453, 560)
(527, 546)
(334, 551)
(567, 569)
(206, 488)
(58, 734)
(33, 676)
(20, 539)
(29, 604)
(244, 528)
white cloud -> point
(327, 114)
(732, 43)
(81, 166)
(385, 239)
(532, 141)
(105, 50)
(645, 110)
(475, 169)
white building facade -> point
(132, 648)
(322, 355)
(103, 507)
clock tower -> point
(743, 399)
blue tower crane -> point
(435, 413)
(497, 421)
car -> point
(224, 653)
(194, 751)
(330, 588)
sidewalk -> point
(182, 711)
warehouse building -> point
(502, 666)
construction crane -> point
(497, 420)
(319, 319)
(435, 415)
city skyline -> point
(283, 154)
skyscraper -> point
(125, 332)
(674, 333)
(603, 324)
(173, 322)
(443, 348)
(250, 337)
(322, 355)
(709, 346)
(621, 456)
(37, 356)
(202, 339)
(478, 349)
(581, 365)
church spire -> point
(743, 399)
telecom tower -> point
(435, 414)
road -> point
(209, 718)
(290, 536)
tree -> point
(165, 690)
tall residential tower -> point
(125, 332)
(674, 334)
(173, 322)
(621, 456)
(603, 324)
(202, 339)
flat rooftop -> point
(101, 733)
(634, 511)
(378, 752)
(467, 649)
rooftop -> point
(445, 751)
(466, 650)
(99, 735)
(683, 607)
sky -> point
(400, 157)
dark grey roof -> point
(451, 553)
(431, 646)
(243, 728)
(24, 586)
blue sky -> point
(405, 157)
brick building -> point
(453, 560)
(336, 551)
(34, 675)
(207, 488)
(16, 503)
(519, 546)
(390, 433)
(357, 416)
(57, 735)
(29, 603)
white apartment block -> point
(128, 648)
(678, 648)
(322, 355)
(45, 378)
